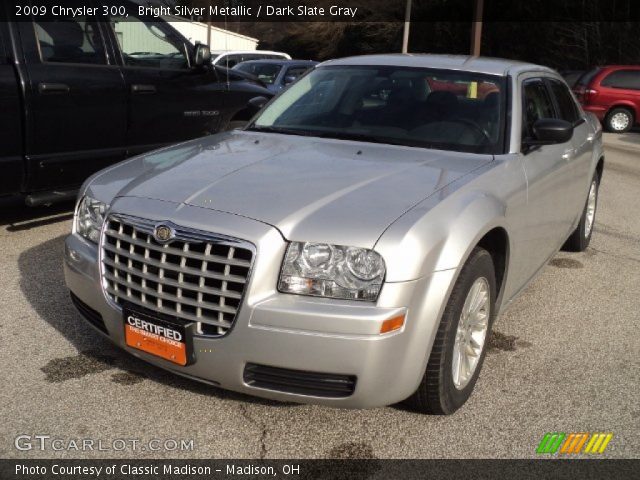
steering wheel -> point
(474, 126)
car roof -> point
(619, 67)
(467, 63)
(235, 52)
(276, 61)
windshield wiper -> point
(285, 131)
(361, 137)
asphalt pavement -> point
(565, 358)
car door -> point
(168, 100)
(578, 161)
(551, 181)
(10, 118)
(75, 99)
(621, 88)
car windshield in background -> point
(266, 72)
(415, 107)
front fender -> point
(439, 235)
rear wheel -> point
(579, 240)
(619, 120)
(460, 344)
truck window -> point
(152, 44)
(72, 40)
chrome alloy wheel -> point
(620, 121)
(591, 209)
(471, 333)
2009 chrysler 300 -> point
(353, 245)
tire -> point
(580, 238)
(438, 393)
(619, 120)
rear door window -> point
(626, 79)
(70, 40)
(567, 107)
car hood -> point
(311, 189)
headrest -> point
(64, 33)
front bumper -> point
(295, 332)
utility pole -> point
(407, 24)
(476, 28)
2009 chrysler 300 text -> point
(353, 245)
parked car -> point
(353, 245)
(230, 58)
(612, 93)
(276, 74)
(77, 95)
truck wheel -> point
(460, 344)
(579, 240)
(619, 120)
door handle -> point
(568, 154)
(53, 88)
(143, 88)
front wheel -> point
(460, 344)
(579, 240)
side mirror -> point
(256, 103)
(548, 131)
(201, 55)
(289, 79)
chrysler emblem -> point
(163, 233)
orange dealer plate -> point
(157, 337)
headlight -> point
(89, 218)
(332, 271)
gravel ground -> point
(565, 357)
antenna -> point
(226, 45)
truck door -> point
(75, 99)
(11, 164)
(169, 101)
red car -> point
(612, 93)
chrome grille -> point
(197, 277)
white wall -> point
(220, 39)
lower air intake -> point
(299, 382)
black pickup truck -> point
(80, 93)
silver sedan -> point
(353, 245)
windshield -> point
(266, 72)
(415, 107)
